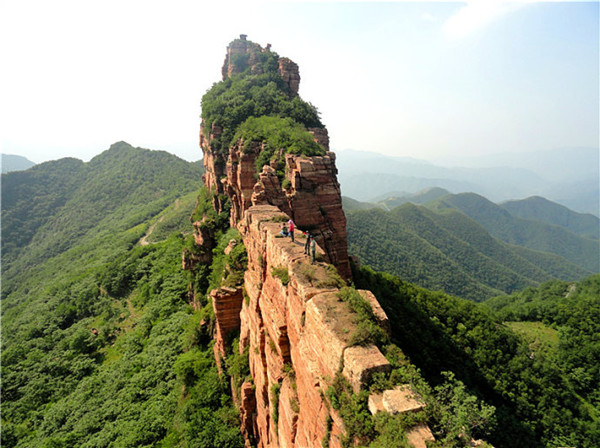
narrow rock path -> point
(144, 240)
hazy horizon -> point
(422, 80)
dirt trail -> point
(144, 240)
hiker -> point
(291, 229)
(284, 232)
(313, 250)
(307, 244)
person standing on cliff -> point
(291, 229)
(313, 250)
(307, 244)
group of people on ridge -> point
(310, 247)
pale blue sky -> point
(423, 79)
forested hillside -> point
(449, 251)
(95, 309)
(536, 235)
(540, 209)
(568, 312)
(541, 399)
(56, 206)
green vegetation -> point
(100, 345)
(367, 330)
(538, 401)
(446, 250)
(228, 269)
(275, 391)
(561, 320)
(231, 102)
(278, 136)
(105, 361)
(541, 337)
(281, 273)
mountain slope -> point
(537, 208)
(58, 205)
(536, 399)
(448, 251)
(584, 252)
(32, 198)
(100, 344)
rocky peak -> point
(293, 323)
(243, 54)
(307, 189)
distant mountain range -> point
(468, 246)
(567, 176)
(12, 162)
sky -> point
(413, 79)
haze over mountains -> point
(567, 176)
(12, 162)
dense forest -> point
(540, 398)
(446, 250)
(100, 345)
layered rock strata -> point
(312, 198)
(292, 323)
(298, 333)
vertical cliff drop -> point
(294, 320)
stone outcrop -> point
(227, 303)
(312, 198)
(298, 335)
(290, 74)
(243, 54)
(292, 323)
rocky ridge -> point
(292, 323)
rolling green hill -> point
(100, 345)
(540, 209)
(536, 235)
(60, 205)
(449, 251)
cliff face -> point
(311, 197)
(298, 335)
(296, 329)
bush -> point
(282, 274)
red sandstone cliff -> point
(312, 199)
(295, 327)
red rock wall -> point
(312, 200)
(297, 335)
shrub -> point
(367, 330)
(282, 274)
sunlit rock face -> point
(292, 323)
